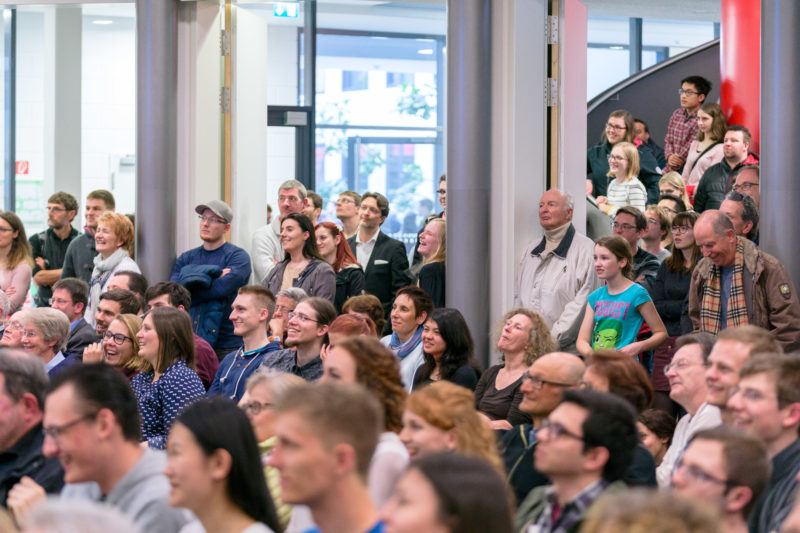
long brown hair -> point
(175, 338)
(625, 115)
(20, 247)
(675, 262)
(344, 255)
(619, 247)
(719, 123)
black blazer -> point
(83, 336)
(385, 278)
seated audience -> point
(368, 306)
(449, 493)
(672, 204)
(44, 335)
(441, 417)
(364, 360)
(302, 265)
(130, 281)
(631, 225)
(433, 249)
(120, 347)
(214, 469)
(447, 349)
(16, 261)
(585, 447)
(348, 326)
(655, 432)
(12, 331)
(70, 296)
(334, 249)
(523, 337)
(285, 302)
(625, 189)
(113, 303)
(165, 341)
(706, 150)
(61, 516)
(411, 308)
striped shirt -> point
(626, 193)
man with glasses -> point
(630, 224)
(23, 382)
(70, 296)
(49, 247)
(266, 244)
(742, 211)
(746, 181)
(307, 332)
(737, 283)
(12, 331)
(213, 274)
(91, 423)
(687, 383)
(725, 469)
(542, 386)
(285, 302)
(717, 180)
(682, 127)
(585, 447)
(79, 258)
(251, 311)
(347, 207)
(766, 405)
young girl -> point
(706, 150)
(614, 313)
(625, 189)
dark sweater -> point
(669, 291)
(500, 404)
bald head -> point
(715, 235)
(550, 375)
(569, 367)
(555, 209)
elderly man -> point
(556, 274)
(267, 249)
(736, 283)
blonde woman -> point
(672, 184)
(432, 247)
(625, 189)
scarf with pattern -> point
(402, 349)
(710, 312)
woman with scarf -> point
(113, 241)
(410, 310)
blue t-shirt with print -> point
(616, 319)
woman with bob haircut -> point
(367, 306)
(302, 266)
(334, 249)
(433, 249)
(166, 342)
(442, 417)
(411, 308)
(214, 469)
(114, 242)
(447, 349)
(522, 337)
(449, 493)
(366, 361)
(16, 260)
(119, 347)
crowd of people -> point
(646, 377)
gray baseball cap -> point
(218, 207)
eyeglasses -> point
(744, 186)
(556, 430)
(441, 191)
(623, 227)
(681, 365)
(610, 126)
(538, 383)
(752, 395)
(59, 301)
(13, 325)
(674, 212)
(301, 317)
(211, 220)
(55, 432)
(698, 474)
(617, 158)
(119, 338)
(253, 408)
(680, 229)
(687, 92)
(28, 334)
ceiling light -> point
(426, 52)
(102, 22)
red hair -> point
(352, 325)
(344, 255)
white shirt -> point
(706, 417)
(364, 249)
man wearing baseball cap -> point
(213, 274)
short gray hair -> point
(77, 516)
(295, 293)
(23, 373)
(749, 210)
(53, 323)
(276, 381)
(294, 184)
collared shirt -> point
(73, 324)
(555, 519)
(681, 131)
(47, 245)
(364, 249)
(57, 358)
(286, 361)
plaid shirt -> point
(573, 512)
(681, 131)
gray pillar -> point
(468, 164)
(780, 113)
(156, 139)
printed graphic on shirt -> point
(607, 334)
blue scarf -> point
(403, 349)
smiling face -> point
(756, 410)
(432, 342)
(118, 354)
(687, 376)
(12, 336)
(246, 315)
(402, 316)
(429, 239)
(148, 341)
(107, 310)
(106, 241)
(326, 244)
(722, 376)
(615, 130)
(421, 438)
(413, 507)
(721, 249)
(191, 473)
(34, 343)
(292, 236)
(618, 163)
(516, 334)
(303, 328)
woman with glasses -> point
(44, 334)
(442, 417)
(670, 291)
(447, 350)
(113, 241)
(619, 128)
(303, 266)
(706, 150)
(334, 249)
(522, 337)
(366, 361)
(261, 389)
(625, 188)
(16, 262)
(166, 342)
(119, 347)
(213, 467)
